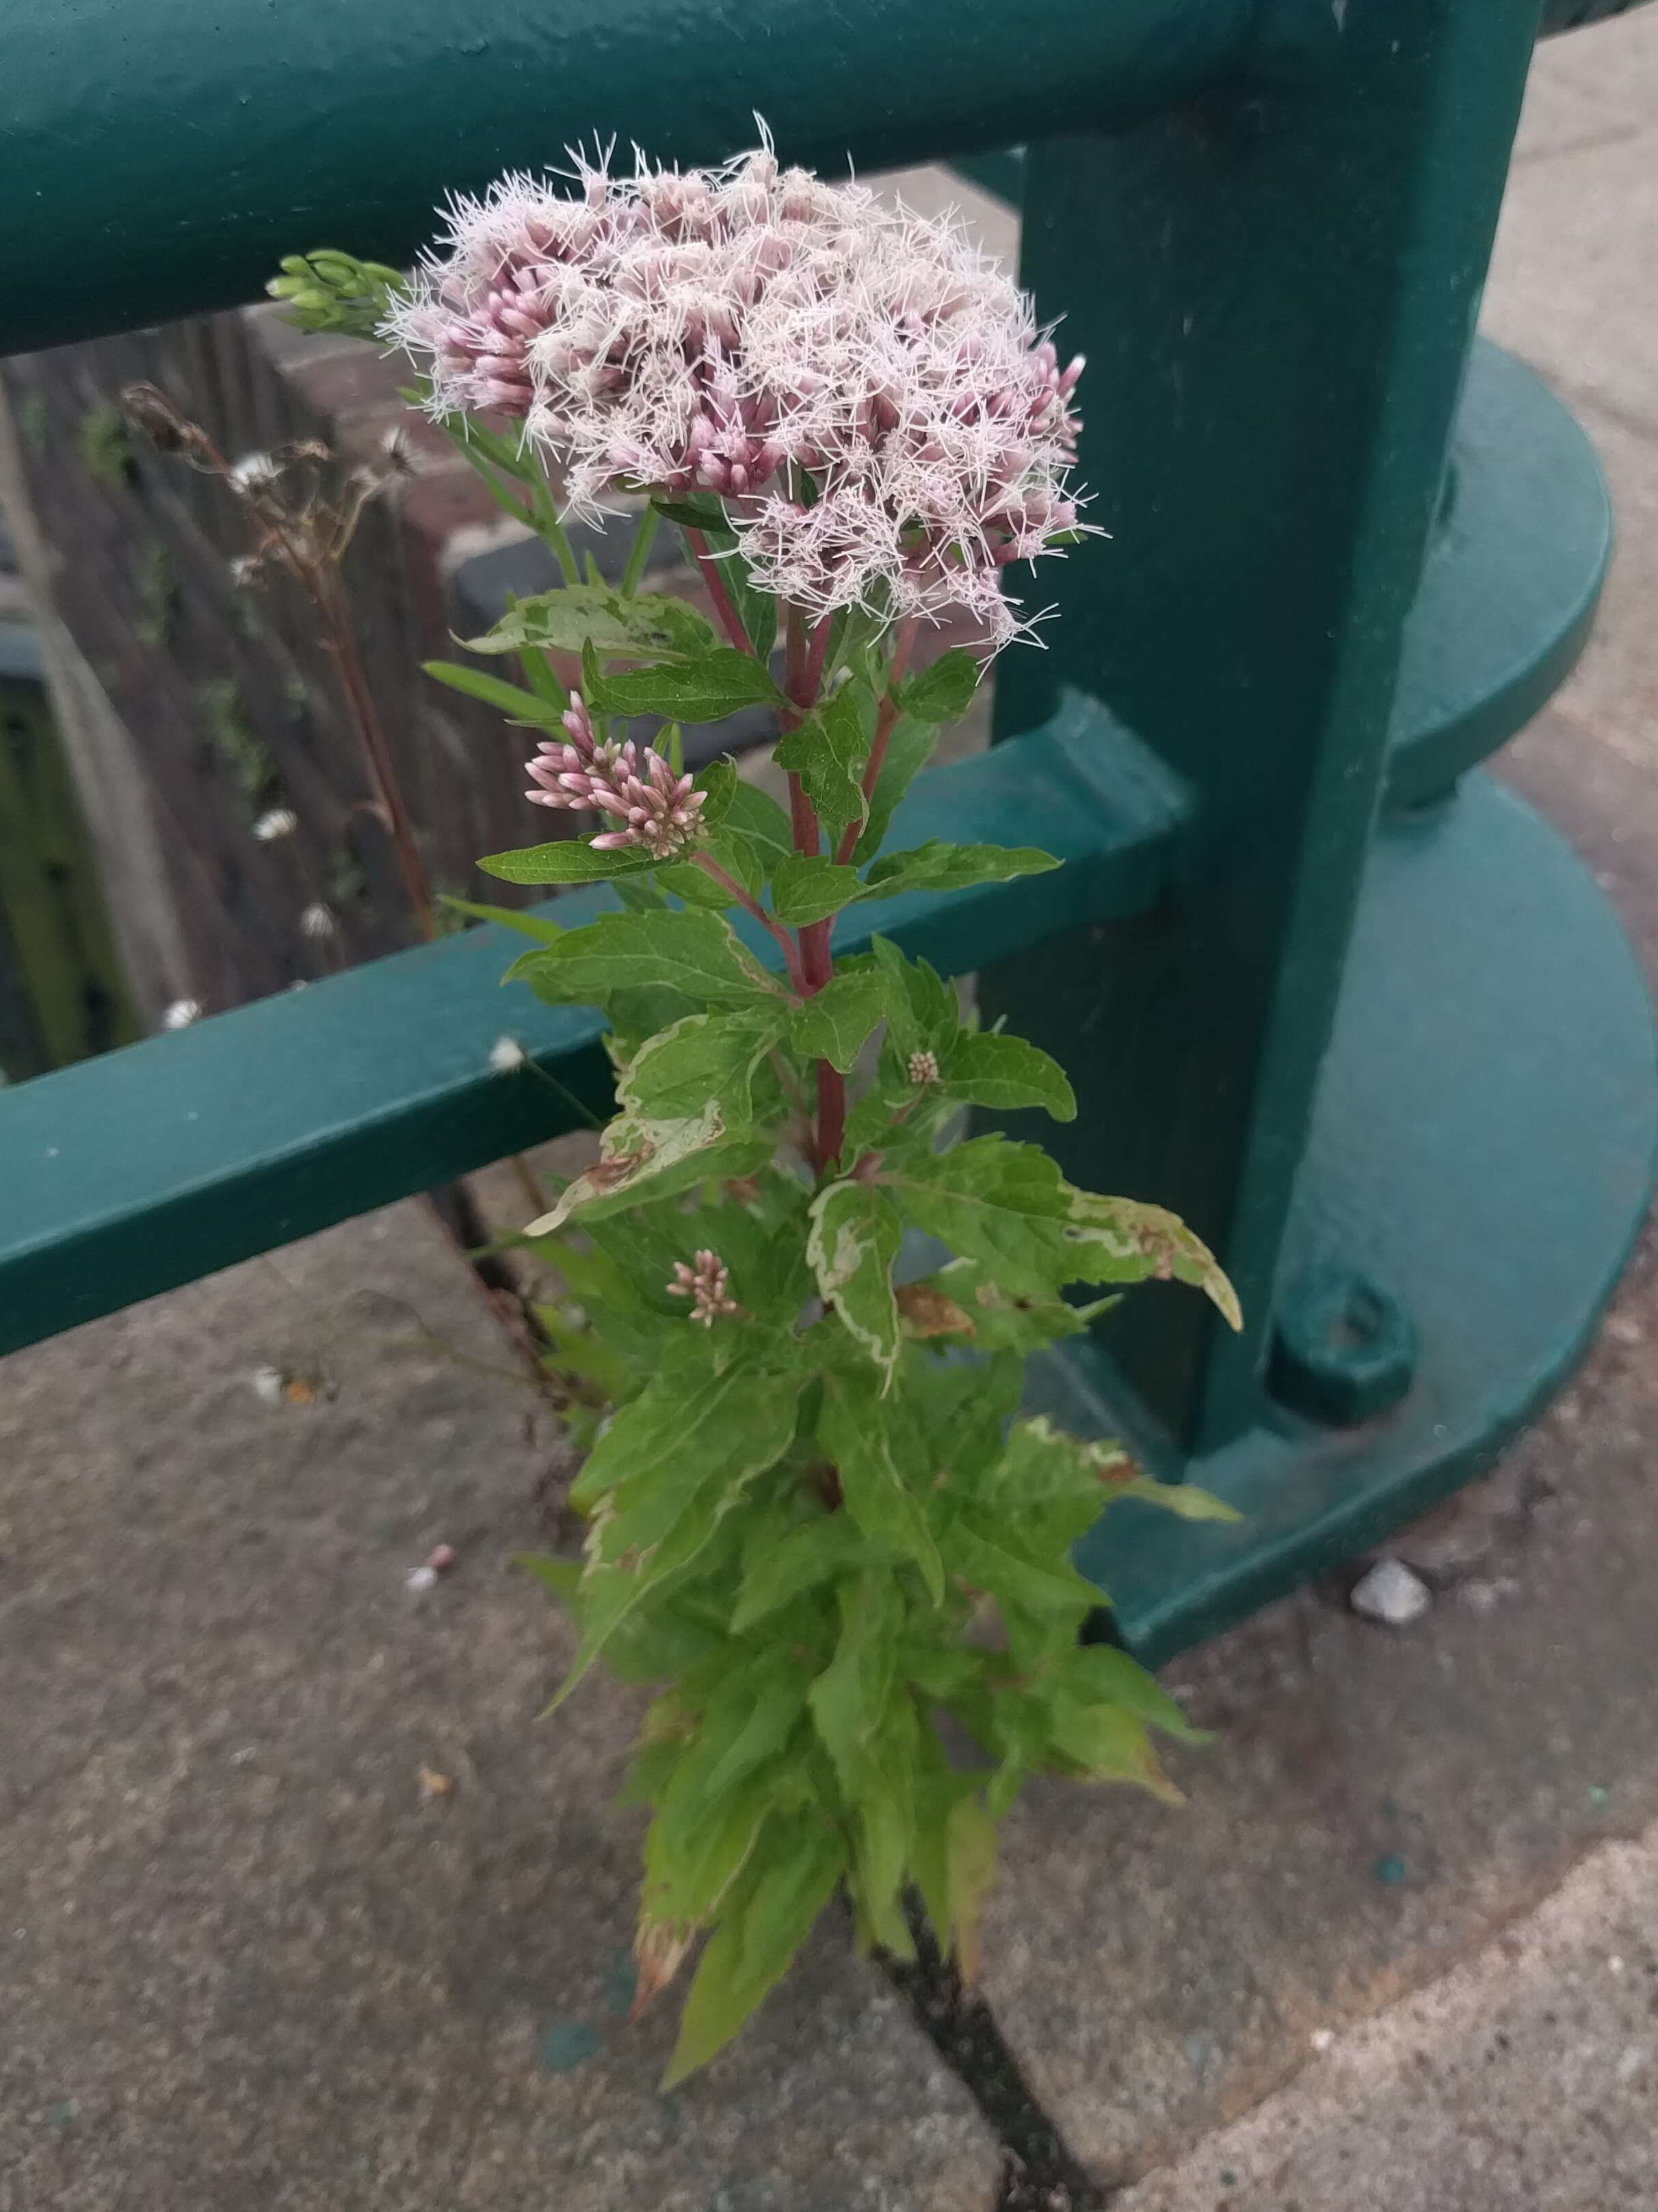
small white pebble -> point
(423, 1579)
(1391, 1594)
(507, 1053)
(1614, 1965)
(1323, 2038)
(268, 1386)
(181, 1013)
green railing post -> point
(1276, 291)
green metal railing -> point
(1357, 1013)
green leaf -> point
(955, 1861)
(706, 1059)
(850, 1428)
(507, 917)
(936, 867)
(1125, 1241)
(704, 515)
(522, 706)
(693, 953)
(805, 888)
(834, 1023)
(944, 691)
(749, 1952)
(716, 684)
(1054, 1592)
(645, 626)
(1003, 1204)
(923, 1012)
(1183, 1499)
(827, 752)
(853, 1241)
(634, 1149)
(850, 1699)
(752, 813)
(784, 1569)
(562, 1578)
(1107, 1673)
(565, 860)
(909, 747)
(672, 1462)
(987, 1068)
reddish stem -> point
(886, 715)
(773, 929)
(724, 606)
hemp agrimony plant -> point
(817, 1523)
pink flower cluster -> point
(707, 1285)
(650, 806)
(868, 393)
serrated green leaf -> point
(693, 953)
(834, 1022)
(936, 867)
(634, 1150)
(565, 860)
(851, 1430)
(850, 1699)
(1124, 1240)
(706, 1059)
(805, 888)
(827, 752)
(751, 1951)
(1003, 1204)
(1052, 1591)
(955, 1862)
(819, 1551)
(853, 1241)
(535, 925)
(672, 1462)
(563, 1577)
(716, 684)
(1106, 1744)
(923, 1012)
(521, 706)
(987, 1068)
(1103, 1671)
(753, 814)
(944, 691)
(646, 625)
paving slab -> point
(249, 1958)
(1526, 2076)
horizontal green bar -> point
(151, 1167)
(156, 160)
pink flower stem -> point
(774, 930)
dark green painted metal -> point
(1513, 575)
(1483, 1149)
(1277, 294)
(1344, 1350)
(153, 1166)
(156, 160)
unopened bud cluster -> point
(634, 785)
